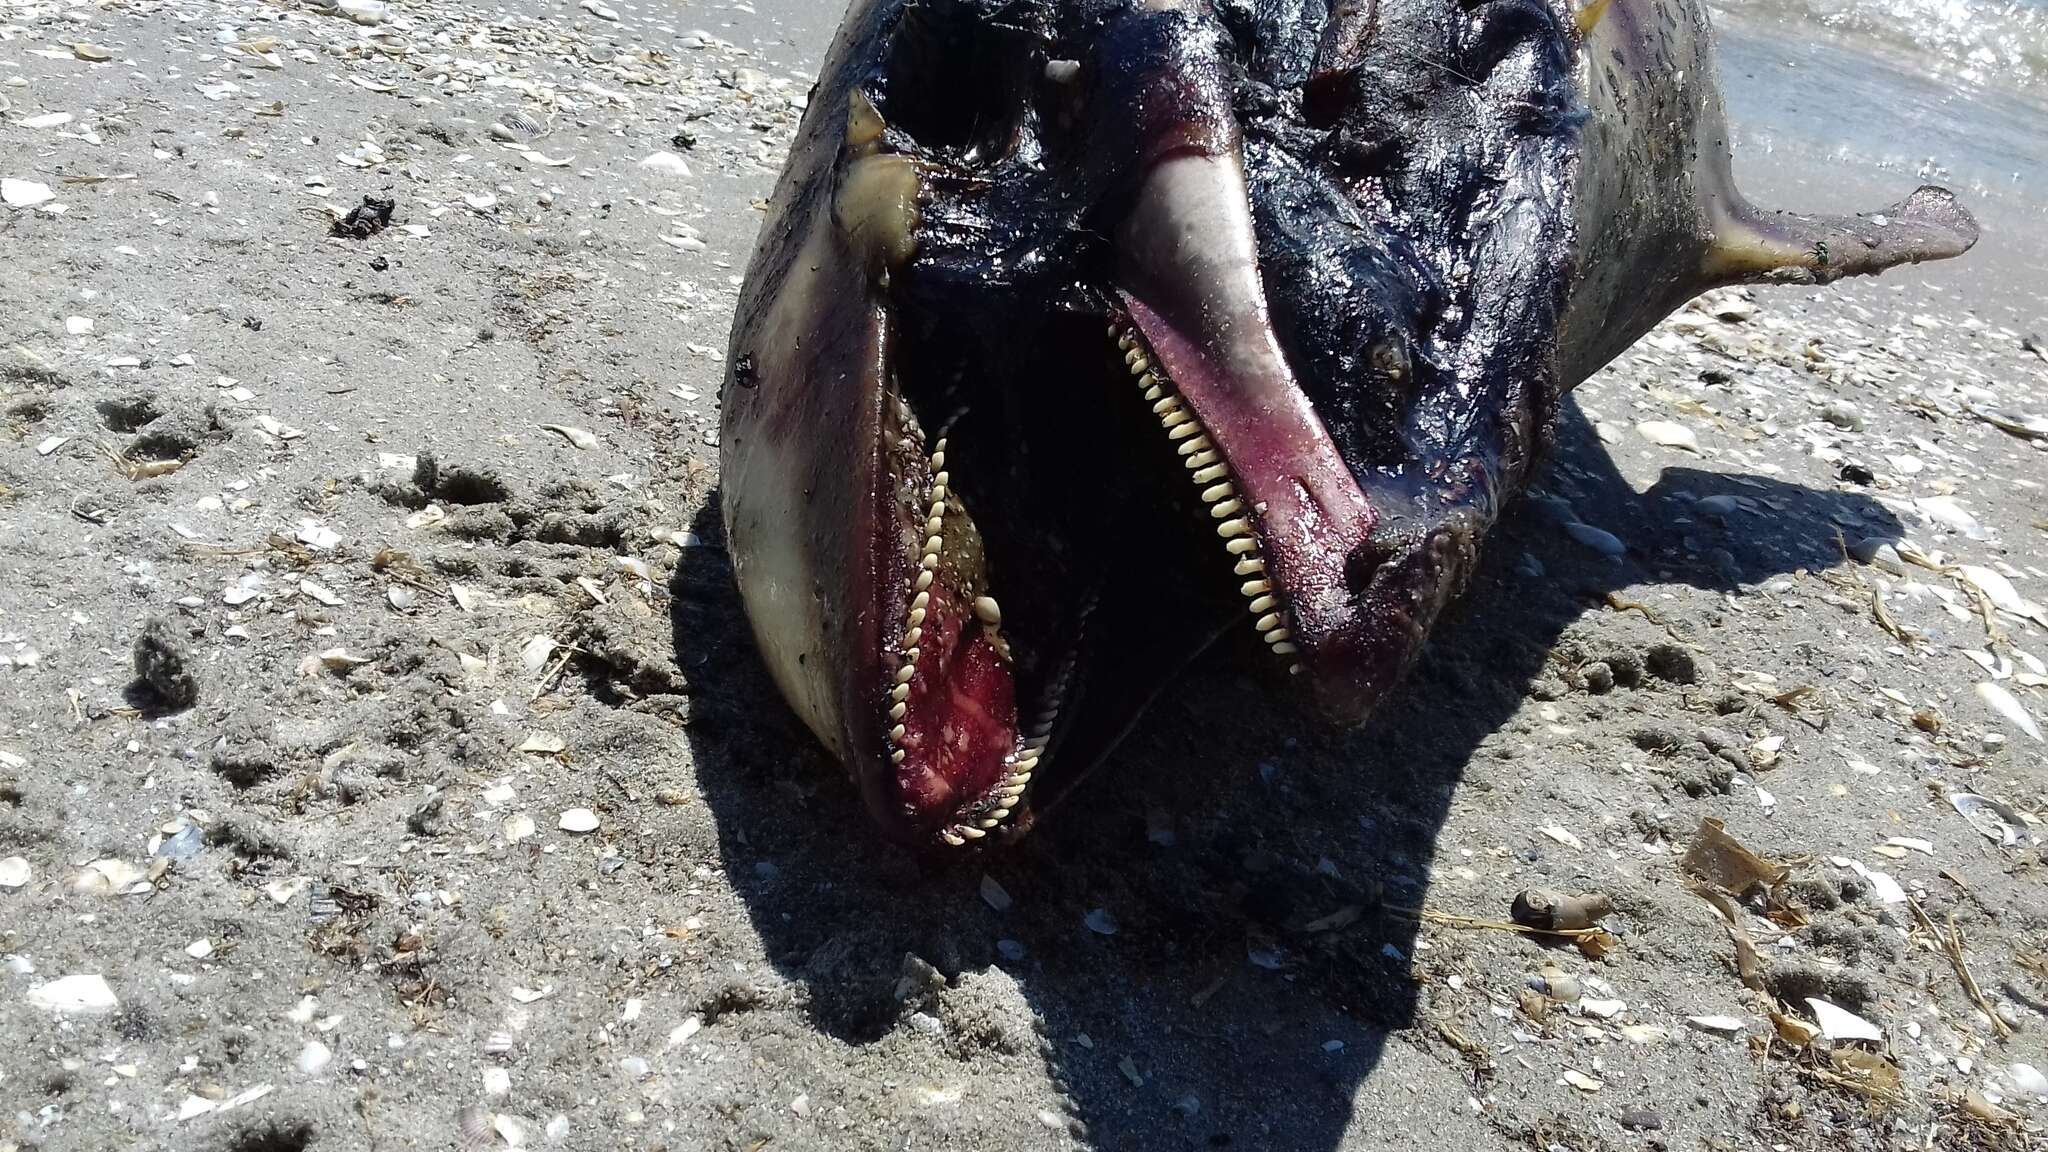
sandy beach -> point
(454, 808)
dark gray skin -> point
(1080, 332)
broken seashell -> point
(1989, 817)
(2009, 707)
(580, 437)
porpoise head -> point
(1085, 333)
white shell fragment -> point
(1669, 434)
(578, 820)
(543, 744)
(666, 164)
(2009, 707)
(14, 872)
(81, 994)
(1882, 885)
(1723, 1025)
(314, 1058)
(580, 437)
(533, 654)
(24, 193)
(1842, 1024)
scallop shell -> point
(516, 124)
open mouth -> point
(975, 701)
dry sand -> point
(486, 828)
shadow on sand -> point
(1215, 836)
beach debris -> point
(1100, 922)
(162, 668)
(1719, 1025)
(543, 744)
(1563, 836)
(365, 220)
(1549, 910)
(321, 593)
(1949, 938)
(1669, 434)
(578, 820)
(1718, 859)
(14, 872)
(516, 125)
(24, 193)
(82, 994)
(1581, 1081)
(337, 660)
(1882, 885)
(1992, 819)
(1837, 1023)
(314, 1058)
(1945, 511)
(1794, 1031)
(580, 437)
(2008, 706)
(111, 877)
(666, 164)
(2036, 345)
(2024, 425)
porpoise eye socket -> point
(959, 83)
(1388, 358)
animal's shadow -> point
(1221, 1011)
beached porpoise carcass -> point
(1081, 331)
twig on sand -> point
(1951, 942)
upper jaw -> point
(1351, 607)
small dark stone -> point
(379, 264)
(1641, 1120)
(162, 667)
(1599, 678)
(366, 219)
(1672, 662)
(683, 140)
(1857, 474)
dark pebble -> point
(1641, 1120)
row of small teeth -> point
(1205, 465)
(920, 602)
(1012, 788)
(989, 613)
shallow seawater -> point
(1820, 98)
